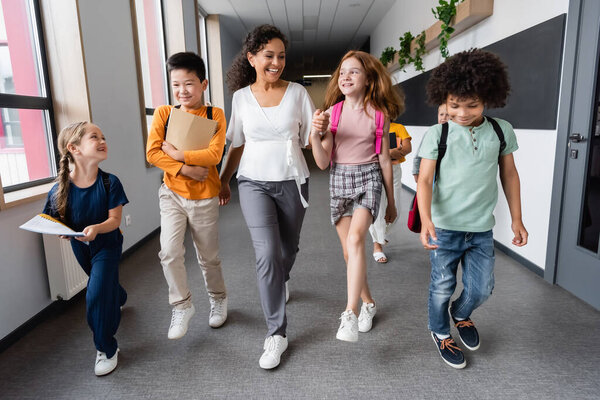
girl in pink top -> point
(359, 167)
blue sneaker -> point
(468, 333)
(450, 352)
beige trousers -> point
(379, 229)
(176, 214)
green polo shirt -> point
(466, 192)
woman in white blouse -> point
(270, 123)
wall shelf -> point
(468, 13)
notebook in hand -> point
(43, 223)
(190, 132)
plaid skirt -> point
(352, 186)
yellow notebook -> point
(188, 131)
(43, 223)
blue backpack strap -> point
(499, 133)
(441, 150)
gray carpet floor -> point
(538, 341)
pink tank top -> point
(355, 138)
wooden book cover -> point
(187, 131)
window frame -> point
(43, 103)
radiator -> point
(65, 276)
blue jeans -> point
(475, 250)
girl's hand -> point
(390, 213)
(320, 122)
(428, 231)
(520, 232)
(90, 233)
(194, 172)
(224, 194)
(172, 151)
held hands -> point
(320, 122)
(224, 194)
(520, 232)
(428, 231)
(90, 233)
(172, 151)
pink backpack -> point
(379, 121)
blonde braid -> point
(71, 134)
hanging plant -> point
(387, 55)
(404, 57)
(419, 52)
(445, 12)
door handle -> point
(576, 137)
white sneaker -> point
(218, 312)
(287, 293)
(348, 330)
(179, 322)
(105, 366)
(274, 347)
(365, 319)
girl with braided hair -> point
(90, 200)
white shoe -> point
(218, 312)
(287, 293)
(348, 330)
(365, 319)
(274, 347)
(179, 322)
(105, 366)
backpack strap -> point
(499, 133)
(379, 121)
(441, 150)
(336, 113)
(209, 112)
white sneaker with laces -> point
(218, 312)
(274, 347)
(365, 318)
(105, 366)
(179, 322)
(287, 293)
(348, 330)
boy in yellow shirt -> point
(189, 195)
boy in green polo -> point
(457, 213)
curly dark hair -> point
(472, 73)
(241, 73)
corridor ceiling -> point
(319, 31)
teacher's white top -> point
(273, 136)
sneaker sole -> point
(215, 326)
(467, 346)
(456, 366)
(346, 338)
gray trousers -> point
(274, 214)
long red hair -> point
(380, 93)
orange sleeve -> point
(156, 136)
(213, 153)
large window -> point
(151, 41)
(27, 151)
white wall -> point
(535, 157)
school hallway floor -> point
(538, 341)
